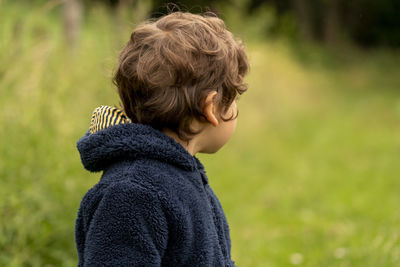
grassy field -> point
(310, 178)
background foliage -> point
(310, 178)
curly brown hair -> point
(170, 65)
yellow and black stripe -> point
(106, 116)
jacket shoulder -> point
(128, 227)
(151, 174)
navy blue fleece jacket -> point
(153, 205)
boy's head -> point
(172, 68)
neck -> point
(191, 146)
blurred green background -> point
(311, 176)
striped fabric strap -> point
(105, 116)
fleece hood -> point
(112, 137)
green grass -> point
(313, 168)
(310, 177)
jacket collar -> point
(128, 140)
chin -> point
(211, 150)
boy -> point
(178, 78)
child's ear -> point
(210, 108)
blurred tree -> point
(372, 22)
(365, 22)
(118, 8)
(331, 22)
(302, 13)
(72, 14)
